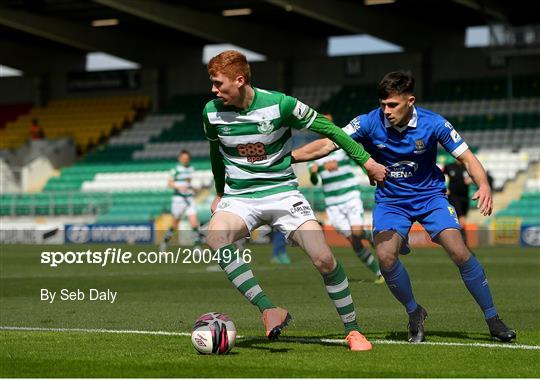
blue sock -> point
(475, 280)
(397, 280)
(279, 242)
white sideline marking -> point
(59, 329)
(285, 339)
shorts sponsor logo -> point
(300, 208)
(403, 169)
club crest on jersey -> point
(226, 130)
(265, 126)
(420, 147)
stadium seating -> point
(170, 150)
(486, 88)
(109, 191)
(132, 169)
(349, 102)
(87, 120)
(10, 112)
(52, 204)
(503, 164)
(161, 136)
(143, 131)
(136, 181)
(527, 207)
(314, 95)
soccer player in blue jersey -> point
(404, 138)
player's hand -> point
(376, 172)
(485, 200)
(315, 168)
(215, 203)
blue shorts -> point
(435, 214)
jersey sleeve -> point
(450, 139)
(296, 114)
(210, 130)
(355, 130)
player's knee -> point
(325, 262)
(217, 239)
(386, 259)
(461, 256)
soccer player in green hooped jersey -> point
(343, 203)
(249, 131)
(182, 202)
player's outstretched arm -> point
(218, 169)
(313, 151)
(478, 175)
(375, 171)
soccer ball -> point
(213, 333)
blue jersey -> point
(410, 152)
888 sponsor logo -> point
(252, 151)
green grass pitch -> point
(170, 297)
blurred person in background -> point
(36, 130)
(458, 192)
(182, 202)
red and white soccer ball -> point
(213, 333)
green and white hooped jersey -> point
(340, 185)
(256, 143)
(181, 175)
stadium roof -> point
(276, 28)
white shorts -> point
(285, 211)
(183, 205)
(345, 215)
